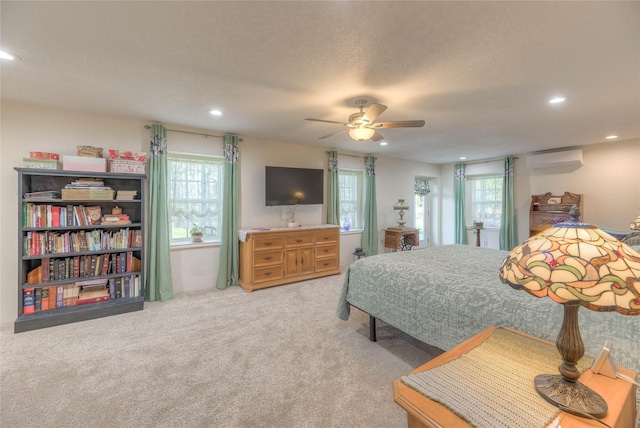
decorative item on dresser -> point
(547, 210)
(575, 264)
(400, 206)
(270, 257)
(68, 238)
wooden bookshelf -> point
(58, 250)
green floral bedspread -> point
(447, 294)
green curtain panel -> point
(370, 232)
(333, 189)
(159, 280)
(459, 179)
(229, 259)
(508, 234)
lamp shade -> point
(575, 264)
(361, 133)
(574, 261)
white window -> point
(486, 200)
(420, 215)
(195, 195)
(351, 184)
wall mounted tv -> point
(293, 186)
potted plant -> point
(478, 224)
(196, 233)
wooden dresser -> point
(281, 256)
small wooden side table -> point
(423, 412)
(393, 237)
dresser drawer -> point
(267, 243)
(267, 258)
(326, 236)
(298, 240)
(326, 264)
(268, 274)
(326, 251)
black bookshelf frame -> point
(32, 180)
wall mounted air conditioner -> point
(566, 158)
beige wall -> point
(194, 267)
(610, 181)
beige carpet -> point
(277, 357)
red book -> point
(29, 300)
(55, 216)
(92, 300)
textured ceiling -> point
(479, 73)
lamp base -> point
(572, 395)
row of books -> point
(83, 267)
(45, 215)
(50, 242)
(37, 299)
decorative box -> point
(90, 151)
(44, 155)
(84, 163)
(127, 155)
(88, 194)
(126, 166)
(41, 163)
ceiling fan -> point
(362, 125)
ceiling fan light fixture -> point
(361, 134)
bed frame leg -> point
(372, 328)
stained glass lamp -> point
(575, 264)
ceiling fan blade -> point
(400, 124)
(331, 135)
(376, 136)
(326, 121)
(373, 112)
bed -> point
(447, 294)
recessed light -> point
(463, 158)
(8, 55)
(557, 100)
(216, 112)
(383, 143)
(611, 137)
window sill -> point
(351, 231)
(188, 245)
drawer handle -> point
(326, 264)
(325, 238)
(268, 258)
(326, 251)
(267, 273)
(298, 240)
(267, 244)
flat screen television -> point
(293, 186)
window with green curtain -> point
(195, 195)
(486, 200)
(350, 189)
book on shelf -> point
(126, 195)
(95, 299)
(38, 299)
(44, 298)
(35, 275)
(93, 213)
(28, 300)
(45, 194)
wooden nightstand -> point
(393, 237)
(423, 412)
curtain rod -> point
(353, 156)
(486, 160)
(193, 133)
